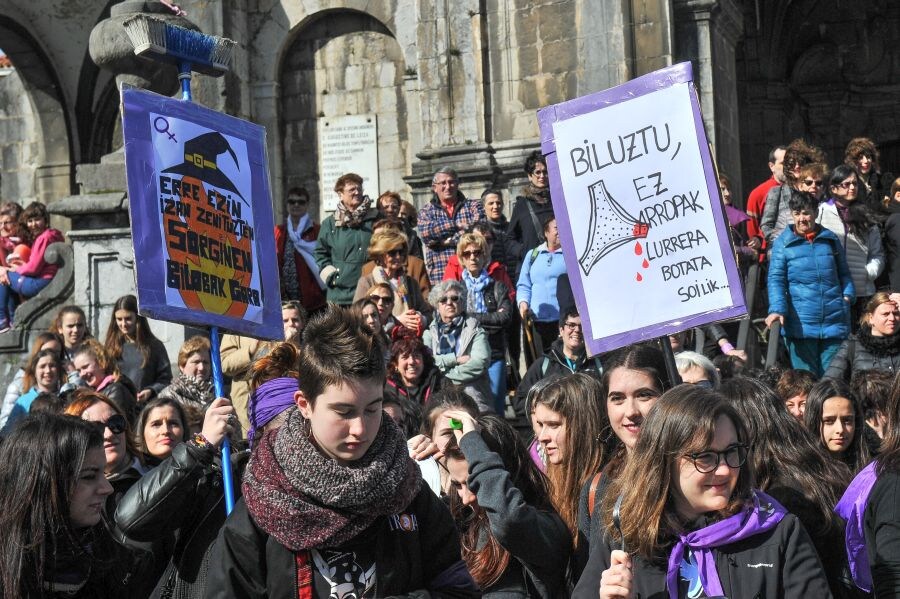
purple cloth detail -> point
(764, 515)
(534, 452)
(269, 400)
(852, 508)
(735, 216)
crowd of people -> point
(389, 445)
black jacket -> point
(781, 562)
(865, 352)
(432, 382)
(497, 318)
(524, 234)
(882, 532)
(892, 247)
(182, 500)
(422, 562)
(553, 363)
(537, 539)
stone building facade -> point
(452, 83)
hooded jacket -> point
(473, 375)
(808, 282)
(340, 254)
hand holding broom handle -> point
(189, 50)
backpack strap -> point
(538, 229)
(592, 493)
(544, 366)
(304, 575)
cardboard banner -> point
(201, 216)
(644, 235)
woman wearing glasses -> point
(123, 468)
(459, 345)
(388, 249)
(488, 301)
(854, 226)
(694, 526)
(296, 239)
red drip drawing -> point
(645, 263)
(639, 278)
(610, 227)
(638, 250)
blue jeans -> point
(24, 286)
(812, 354)
(497, 375)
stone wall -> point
(18, 146)
(819, 71)
(348, 63)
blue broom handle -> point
(184, 76)
(219, 383)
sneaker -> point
(5, 325)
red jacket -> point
(495, 270)
(756, 205)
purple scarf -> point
(269, 400)
(764, 515)
(852, 508)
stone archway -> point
(45, 153)
(347, 63)
(820, 71)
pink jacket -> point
(36, 267)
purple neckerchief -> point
(269, 400)
(852, 508)
(534, 450)
(765, 514)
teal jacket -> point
(340, 254)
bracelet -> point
(726, 348)
(200, 441)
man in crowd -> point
(442, 221)
(756, 201)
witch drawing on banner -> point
(208, 228)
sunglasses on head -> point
(115, 424)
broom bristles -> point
(159, 40)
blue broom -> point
(190, 51)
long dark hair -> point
(889, 457)
(159, 402)
(29, 380)
(643, 358)
(682, 421)
(115, 338)
(487, 561)
(784, 454)
(857, 455)
(39, 466)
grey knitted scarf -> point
(306, 500)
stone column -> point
(706, 32)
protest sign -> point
(201, 216)
(647, 246)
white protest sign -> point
(645, 239)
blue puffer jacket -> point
(808, 283)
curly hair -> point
(859, 147)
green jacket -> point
(472, 375)
(341, 252)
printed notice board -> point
(646, 243)
(201, 216)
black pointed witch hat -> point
(200, 154)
